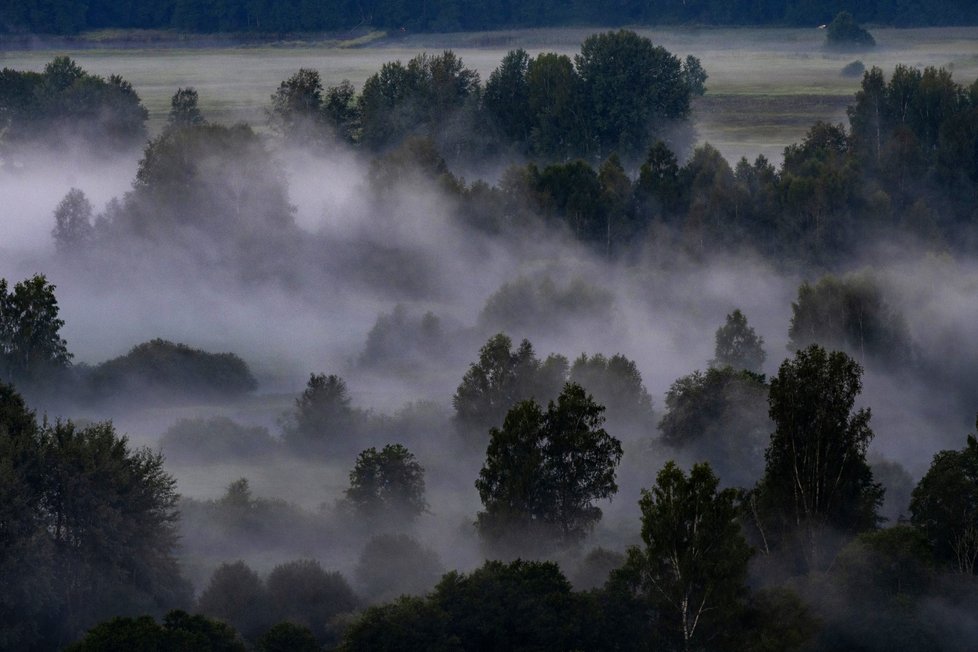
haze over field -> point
(376, 275)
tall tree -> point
(816, 479)
(544, 470)
(323, 415)
(944, 506)
(31, 346)
(630, 86)
(387, 486)
(738, 345)
(73, 231)
(184, 109)
(693, 566)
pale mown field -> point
(766, 86)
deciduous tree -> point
(544, 470)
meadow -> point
(766, 86)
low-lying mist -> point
(387, 287)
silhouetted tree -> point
(816, 477)
(737, 345)
(184, 111)
(31, 346)
(73, 232)
(387, 486)
(944, 507)
(693, 567)
(544, 470)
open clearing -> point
(766, 86)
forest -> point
(440, 426)
(291, 16)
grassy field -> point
(766, 86)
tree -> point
(73, 231)
(65, 104)
(507, 97)
(816, 477)
(629, 87)
(396, 564)
(720, 416)
(287, 637)
(179, 631)
(110, 513)
(322, 415)
(387, 486)
(87, 529)
(544, 470)
(944, 506)
(491, 386)
(554, 98)
(693, 567)
(303, 593)
(296, 111)
(184, 111)
(844, 32)
(236, 595)
(31, 346)
(737, 345)
(161, 370)
(850, 313)
(615, 383)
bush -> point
(160, 370)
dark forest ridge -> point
(290, 16)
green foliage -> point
(693, 566)
(323, 416)
(179, 632)
(520, 606)
(844, 32)
(720, 416)
(944, 506)
(738, 346)
(507, 96)
(237, 596)
(297, 107)
(501, 378)
(852, 314)
(162, 370)
(301, 592)
(287, 637)
(391, 565)
(211, 180)
(73, 232)
(419, 97)
(66, 104)
(629, 86)
(615, 383)
(184, 111)
(387, 486)
(527, 304)
(93, 518)
(816, 477)
(544, 470)
(31, 347)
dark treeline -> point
(67, 16)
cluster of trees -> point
(35, 358)
(66, 104)
(615, 95)
(454, 15)
(87, 529)
(905, 167)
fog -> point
(379, 278)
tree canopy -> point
(544, 470)
(693, 566)
(816, 478)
